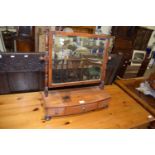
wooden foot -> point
(101, 86)
(47, 118)
(46, 91)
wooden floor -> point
(26, 111)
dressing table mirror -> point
(75, 59)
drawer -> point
(81, 108)
(68, 110)
(91, 106)
(103, 104)
(74, 109)
(57, 111)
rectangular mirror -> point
(76, 58)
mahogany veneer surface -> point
(74, 101)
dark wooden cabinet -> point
(142, 37)
(141, 42)
(124, 39)
(25, 44)
(144, 65)
(8, 37)
(129, 38)
(25, 39)
(25, 31)
(122, 44)
(21, 72)
(126, 32)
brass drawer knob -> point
(81, 101)
(150, 117)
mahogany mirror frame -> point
(76, 83)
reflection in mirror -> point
(77, 58)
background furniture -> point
(8, 37)
(125, 36)
(2, 45)
(129, 38)
(142, 38)
(26, 111)
(79, 29)
(131, 72)
(129, 85)
(143, 67)
(19, 39)
(112, 68)
(21, 72)
(25, 39)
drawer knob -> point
(82, 102)
(150, 117)
(83, 108)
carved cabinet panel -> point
(142, 38)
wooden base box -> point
(75, 101)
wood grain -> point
(130, 85)
(25, 111)
(68, 101)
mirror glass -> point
(76, 58)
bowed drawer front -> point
(74, 101)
